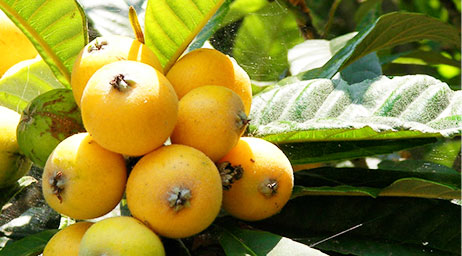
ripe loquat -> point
(67, 241)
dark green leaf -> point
(29, 246)
(57, 29)
(389, 30)
(236, 241)
(314, 152)
(367, 13)
(365, 226)
(368, 67)
(170, 26)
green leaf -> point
(367, 13)
(427, 181)
(420, 57)
(368, 67)
(171, 25)
(406, 107)
(57, 29)
(6, 194)
(262, 41)
(25, 81)
(365, 226)
(211, 27)
(236, 241)
(389, 30)
(29, 246)
(325, 151)
(240, 8)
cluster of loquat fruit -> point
(185, 127)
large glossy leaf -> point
(368, 226)
(427, 180)
(57, 28)
(323, 110)
(28, 246)
(25, 81)
(171, 25)
(262, 41)
(236, 241)
(389, 30)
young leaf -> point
(365, 225)
(387, 31)
(236, 241)
(171, 25)
(28, 246)
(406, 107)
(262, 41)
(57, 29)
(28, 79)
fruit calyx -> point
(121, 83)
(178, 198)
(268, 187)
(97, 45)
(57, 184)
(229, 174)
(242, 120)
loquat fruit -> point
(67, 240)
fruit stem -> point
(268, 187)
(179, 198)
(121, 83)
(229, 174)
(133, 17)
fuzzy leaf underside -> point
(415, 106)
(57, 29)
(171, 25)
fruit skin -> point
(132, 121)
(105, 50)
(48, 119)
(14, 45)
(210, 67)
(67, 241)
(83, 180)
(13, 164)
(210, 113)
(122, 235)
(152, 184)
(260, 161)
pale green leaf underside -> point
(171, 25)
(29, 81)
(414, 106)
(57, 28)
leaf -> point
(240, 8)
(420, 57)
(28, 246)
(111, 17)
(325, 151)
(368, 67)
(211, 27)
(406, 107)
(315, 53)
(262, 41)
(431, 182)
(25, 81)
(367, 13)
(387, 31)
(57, 29)
(171, 25)
(365, 226)
(6, 194)
(237, 241)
